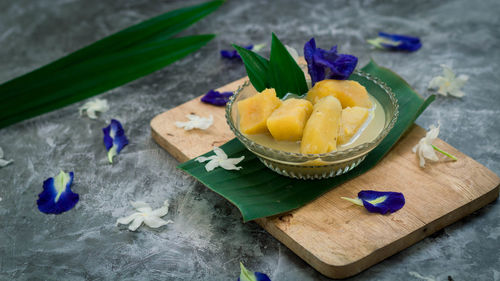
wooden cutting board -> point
(334, 236)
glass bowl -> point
(316, 166)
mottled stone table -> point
(208, 238)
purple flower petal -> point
(259, 277)
(216, 97)
(317, 72)
(323, 64)
(401, 42)
(343, 67)
(233, 54)
(57, 196)
(229, 54)
(381, 202)
(108, 141)
(114, 139)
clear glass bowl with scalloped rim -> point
(317, 166)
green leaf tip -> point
(257, 68)
(280, 72)
(285, 74)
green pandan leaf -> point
(160, 27)
(285, 74)
(147, 34)
(257, 68)
(281, 72)
(100, 74)
(258, 192)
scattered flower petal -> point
(220, 160)
(196, 122)
(57, 196)
(293, 53)
(246, 275)
(93, 106)
(216, 97)
(449, 84)
(145, 214)
(323, 64)
(396, 42)
(4, 162)
(233, 54)
(425, 148)
(114, 138)
(379, 201)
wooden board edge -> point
(347, 270)
(174, 151)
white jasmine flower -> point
(220, 160)
(425, 148)
(91, 107)
(146, 215)
(293, 53)
(4, 162)
(196, 122)
(449, 83)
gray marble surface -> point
(208, 239)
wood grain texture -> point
(334, 236)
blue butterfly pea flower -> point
(216, 97)
(233, 54)
(379, 201)
(57, 196)
(247, 275)
(323, 64)
(114, 139)
(396, 42)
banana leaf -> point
(42, 90)
(258, 192)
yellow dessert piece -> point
(287, 122)
(321, 131)
(350, 93)
(255, 110)
(351, 121)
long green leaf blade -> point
(103, 73)
(257, 68)
(51, 86)
(258, 192)
(285, 74)
(157, 28)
